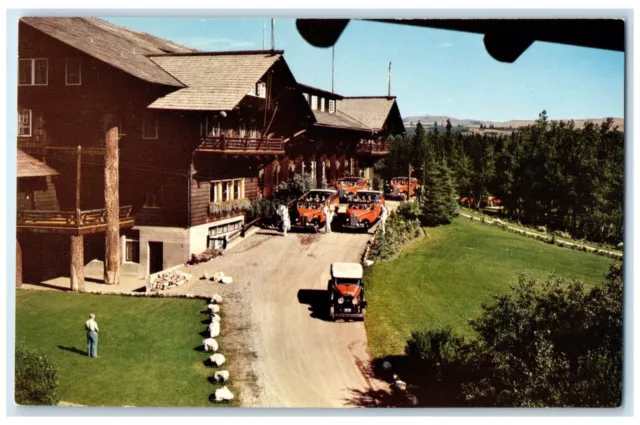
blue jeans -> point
(92, 344)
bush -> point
(36, 378)
(409, 210)
(545, 344)
(399, 231)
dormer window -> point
(73, 72)
(306, 97)
(322, 103)
(252, 90)
(332, 106)
(314, 102)
(261, 89)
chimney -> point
(389, 81)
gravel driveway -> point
(284, 352)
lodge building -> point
(174, 142)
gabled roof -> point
(215, 81)
(28, 166)
(372, 111)
(120, 47)
(338, 120)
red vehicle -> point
(346, 292)
(364, 209)
(348, 186)
(403, 187)
(309, 208)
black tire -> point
(332, 313)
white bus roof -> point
(346, 270)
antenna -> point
(273, 34)
(333, 62)
(264, 34)
(389, 81)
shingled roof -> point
(338, 120)
(120, 47)
(28, 166)
(371, 111)
(215, 81)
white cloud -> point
(212, 43)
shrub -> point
(545, 344)
(399, 231)
(36, 378)
(409, 210)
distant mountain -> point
(428, 120)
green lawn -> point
(442, 280)
(148, 351)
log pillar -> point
(333, 175)
(18, 264)
(298, 162)
(341, 167)
(77, 263)
(267, 180)
(284, 169)
(112, 202)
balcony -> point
(242, 145)
(373, 147)
(71, 222)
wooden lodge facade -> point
(196, 136)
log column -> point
(284, 169)
(112, 202)
(333, 175)
(18, 264)
(77, 263)
(76, 247)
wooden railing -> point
(373, 147)
(85, 221)
(241, 145)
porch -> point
(242, 145)
(373, 147)
(71, 222)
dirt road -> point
(284, 351)
(276, 315)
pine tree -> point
(438, 204)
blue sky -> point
(434, 72)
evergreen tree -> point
(438, 203)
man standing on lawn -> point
(384, 214)
(91, 326)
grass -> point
(149, 350)
(443, 279)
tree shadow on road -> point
(318, 301)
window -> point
(242, 131)
(306, 96)
(213, 192)
(236, 189)
(261, 88)
(132, 246)
(322, 103)
(226, 190)
(152, 198)
(219, 231)
(24, 123)
(121, 122)
(33, 72)
(314, 102)
(332, 106)
(253, 132)
(150, 126)
(210, 127)
(73, 72)
(252, 90)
